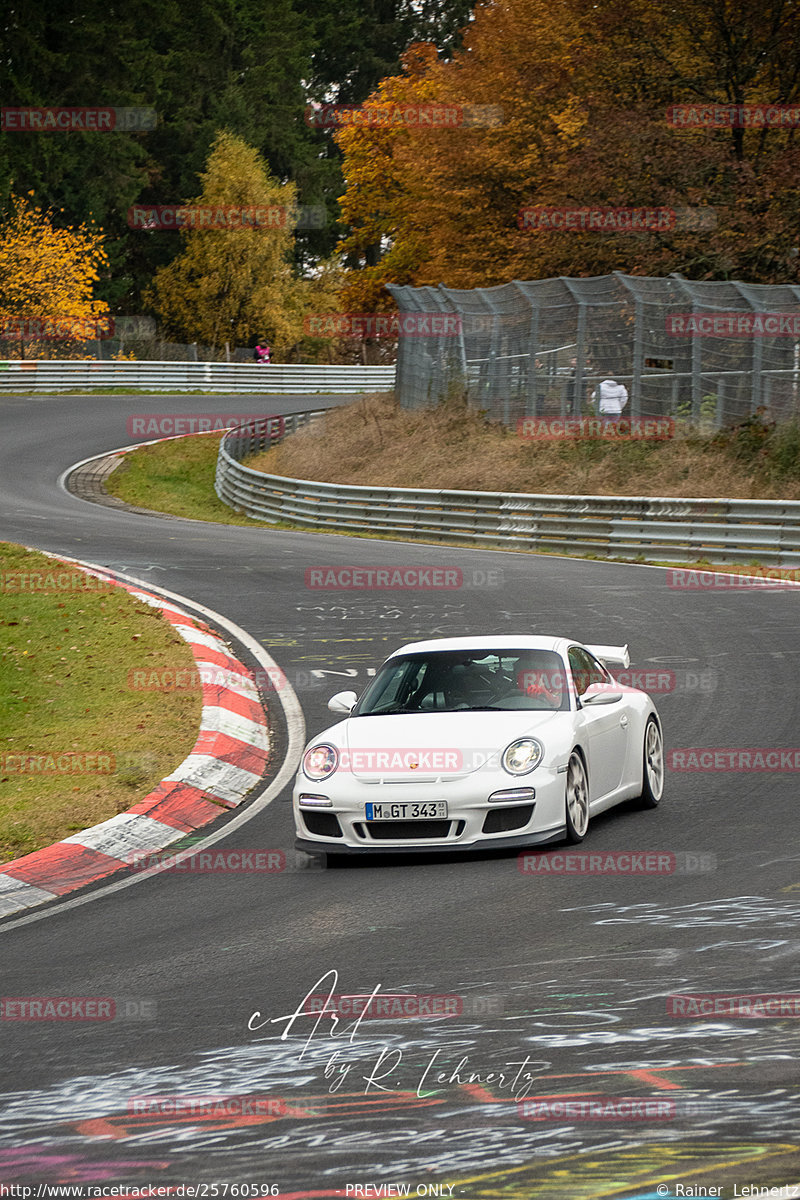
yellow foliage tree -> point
(234, 284)
(47, 276)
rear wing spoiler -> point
(612, 656)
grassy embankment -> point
(176, 477)
(375, 442)
(372, 441)
(69, 703)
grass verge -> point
(79, 742)
(176, 477)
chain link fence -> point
(351, 353)
(138, 338)
(710, 353)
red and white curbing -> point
(226, 762)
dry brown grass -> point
(374, 441)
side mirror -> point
(600, 693)
(343, 703)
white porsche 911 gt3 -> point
(470, 742)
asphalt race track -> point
(558, 983)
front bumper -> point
(471, 823)
(521, 842)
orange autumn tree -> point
(733, 189)
(47, 277)
(447, 198)
(378, 205)
(584, 90)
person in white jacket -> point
(611, 398)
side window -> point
(598, 672)
(586, 669)
(578, 667)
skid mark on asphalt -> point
(733, 911)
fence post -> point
(638, 356)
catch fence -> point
(711, 353)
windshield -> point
(467, 681)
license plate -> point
(407, 812)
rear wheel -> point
(652, 765)
(577, 804)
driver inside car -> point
(543, 683)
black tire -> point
(576, 800)
(652, 765)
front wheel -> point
(652, 765)
(577, 805)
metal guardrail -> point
(627, 527)
(257, 435)
(276, 379)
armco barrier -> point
(661, 529)
(275, 379)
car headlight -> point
(522, 756)
(320, 761)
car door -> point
(606, 725)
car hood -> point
(443, 745)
